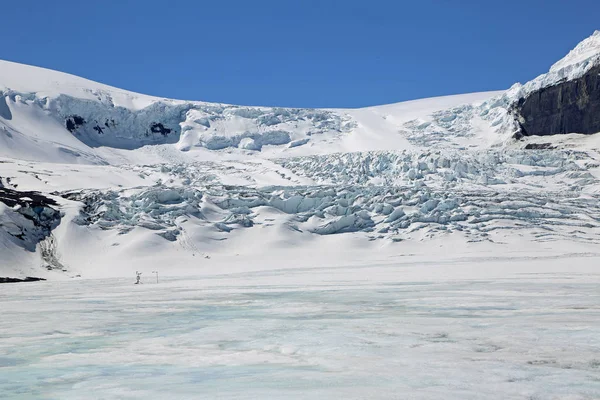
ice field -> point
(494, 329)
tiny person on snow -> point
(138, 277)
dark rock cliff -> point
(34, 216)
(568, 107)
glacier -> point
(131, 171)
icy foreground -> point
(487, 328)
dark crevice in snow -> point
(4, 110)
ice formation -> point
(136, 174)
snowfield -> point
(493, 328)
(413, 250)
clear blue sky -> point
(305, 53)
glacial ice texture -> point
(306, 333)
(384, 195)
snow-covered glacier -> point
(147, 178)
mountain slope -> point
(51, 116)
(142, 182)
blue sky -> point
(303, 53)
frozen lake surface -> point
(353, 333)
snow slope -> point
(51, 116)
(143, 181)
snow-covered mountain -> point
(125, 181)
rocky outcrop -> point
(539, 146)
(28, 217)
(18, 280)
(568, 107)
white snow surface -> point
(226, 181)
(35, 105)
(512, 327)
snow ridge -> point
(585, 56)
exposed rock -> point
(31, 217)
(568, 107)
(17, 280)
(49, 254)
(73, 122)
(25, 199)
(157, 127)
(539, 146)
